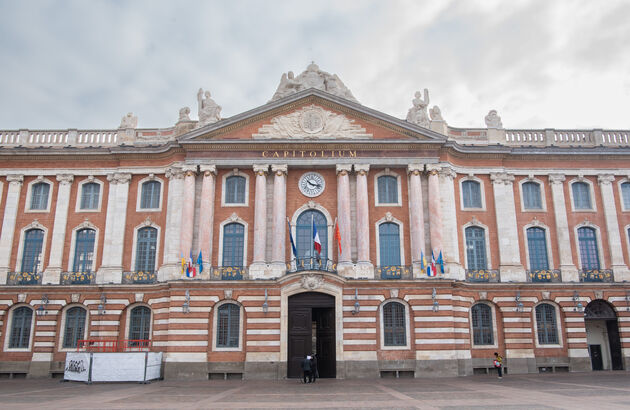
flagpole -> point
(312, 239)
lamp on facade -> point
(578, 305)
(101, 306)
(357, 307)
(265, 305)
(186, 304)
(42, 309)
(519, 304)
(436, 304)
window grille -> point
(304, 234)
(394, 328)
(537, 245)
(235, 190)
(387, 189)
(546, 324)
(389, 242)
(89, 195)
(84, 250)
(476, 248)
(145, 249)
(531, 195)
(21, 328)
(482, 324)
(587, 237)
(228, 324)
(75, 327)
(233, 244)
(471, 192)
(581, 195)
(39, 196)
(140, 323)
(32, 254)
(150, 197)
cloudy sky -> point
(84, 64)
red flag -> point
(338, 235)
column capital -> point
(279, 169)
(208, 170)
(362, 169)
(174, 173)
(261, 169)
(415, 169)
(448, 172)
(119, 178)
(433, 169)
(189, 169)
(15, 179)
(605, 179)
(501, 178)
(65, 179)
(556, 179)
(343, 169)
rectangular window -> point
(581, 195)
(39, 196)
(625, 195)
(387, 190)
(531, 196)
(90, 196)
(235, 190)
(150, 195)
(471, 193)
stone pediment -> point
(312, 122)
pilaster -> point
(620, 270)
(450, 236)
(416, 217)
(259, 263)
(567, 267)
(364, 268)
(8, 223)
(435, 209)
(206, 216)
(53, 271)
(344, 266)
(188, 210)
(171, 268)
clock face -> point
(311, 184)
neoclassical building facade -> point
(529, 232)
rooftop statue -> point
(436, 113)
(493, 120)
(184, 114)
(313, 77)
(129, 121)
(209, 111)
(418, 113)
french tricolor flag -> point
(317, 244)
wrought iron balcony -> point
(549, 275)
(596, 275)
(482, 275)
(139, 277)
(303, 264)
(394, 272)
(24, 278)
(77, 278)
(229, 272)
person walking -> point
(314, 369)
(498, 363)
(306, 369)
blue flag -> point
(200, 262)
(292, 243)
(440, 262)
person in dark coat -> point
(306, 369)
(314, 369)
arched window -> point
(531, 195)
(21, 328)
(587, 238)
(145, 249)
(39, 196)
(581, 195)
(625, 195)
(546, 324)
(394, 326)
(75, 327)
(32, 254)
(84, 250)
(235, 190)
(389, 244)
(228, 325)
(387, 189)
(471, 193)
(537, 245)
(304, 234)
(476, 248)
(90, 195)
(140, 323)
(233, 244)
(483, 333)
(150, 196)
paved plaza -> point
(600, 390)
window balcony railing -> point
(549, 275)
(77, 278)
(596, 275)
(482, 275)
(304, 264)
(229, 272)
(394, 272)
(139, 277)
(24, 278)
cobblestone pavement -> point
(597, 390)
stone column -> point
(365, 268)
(567, 267)
(344, 265)
(416, 217)
(278, 254)
(617, 264)
(435, 210)
(188, 211)
(8, 224)
(114, 241)
(206, 215)
(450, 229)
(171, 268)
(510, 266)
(53, 271)
(259, 262)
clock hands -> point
(313, 184)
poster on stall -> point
(77, 367)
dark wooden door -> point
(596, 357)
(615, 344)
(326, 355)
(299, 339)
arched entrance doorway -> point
(602, 336)
(311, 330)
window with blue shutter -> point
(84, 250)
(483, 333)
(32, 254)
(233, 244)
(145, 249)
(581, 195)
(546, 324)
(75, 327)
(150, 196)
(471, 193)
(587, 238)
(394, 326)
(21, 328)
(389, 244)
(140, 324)
(304, 234)
(625, 195)
(39, 196)
(228, 325)
(90, 193)
(235, 190)
(537, 246)
(387, 189)
(476, 248)
(531, 195)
